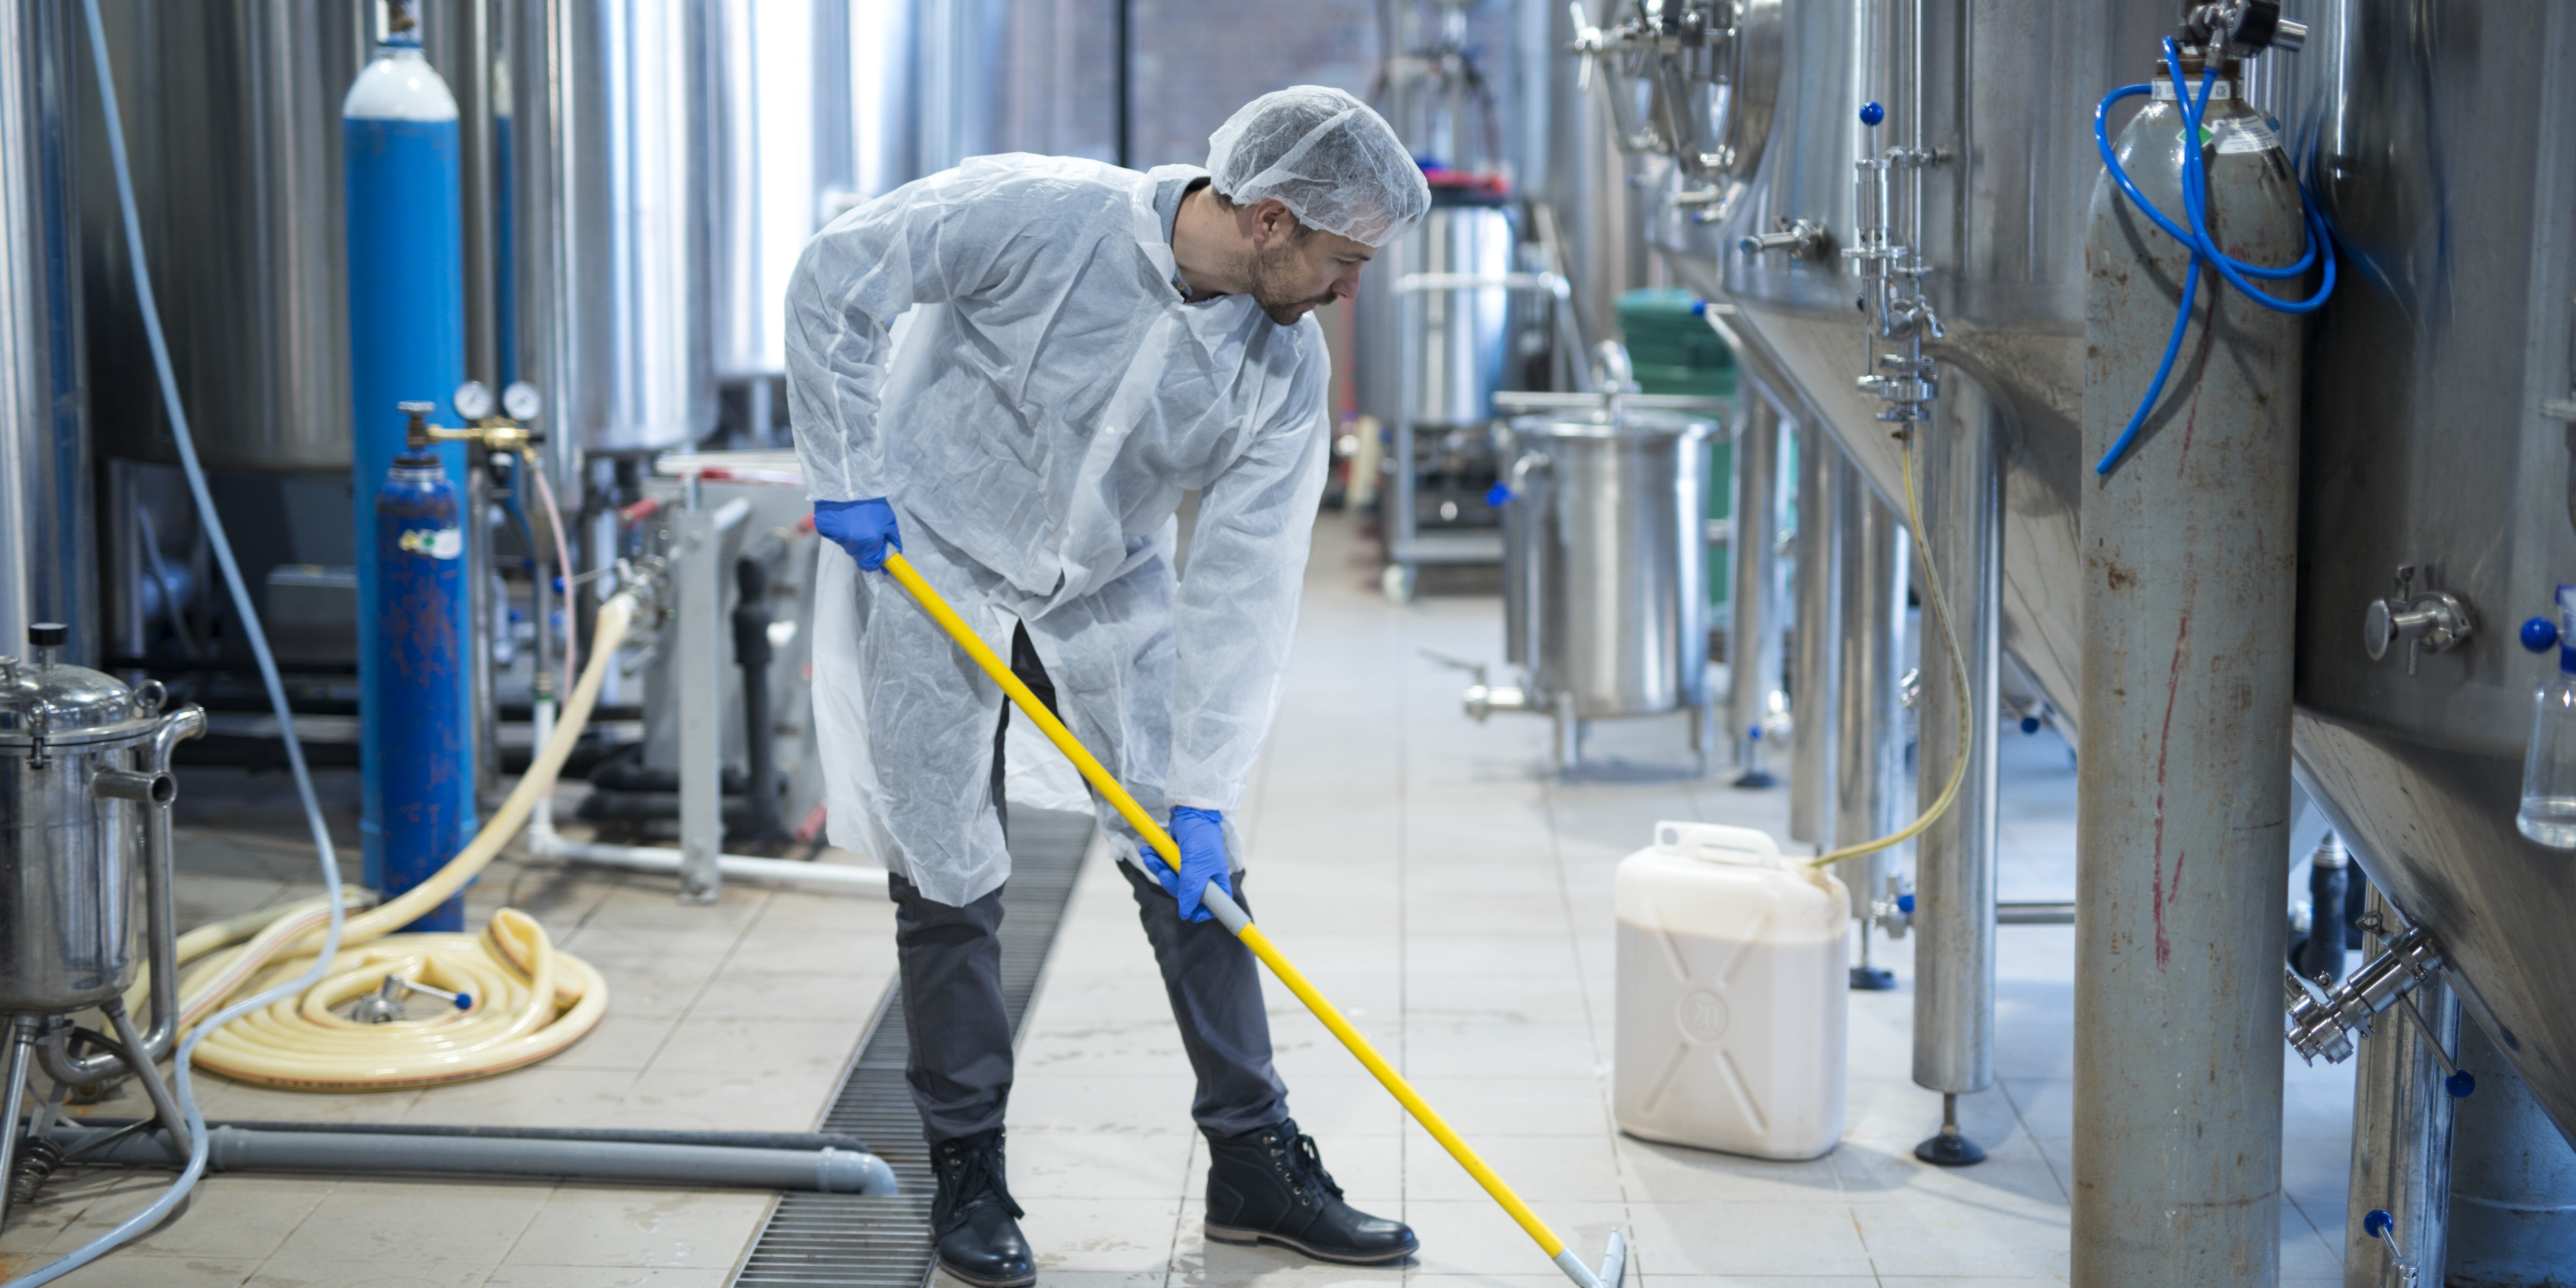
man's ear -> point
(1271, 221)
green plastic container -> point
(1673, 350)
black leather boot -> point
(1269, 1186)
(973, 1218)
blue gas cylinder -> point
(417, 697)
(404, 185)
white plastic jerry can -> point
(1731, 995)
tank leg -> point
(22, 1044)
(139, 1059)
(1951, 1147)
(1397, 583)
(1569, 735)
(1866, 978)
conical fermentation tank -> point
(2436, 484)
(2439, 394)
(612, 222)
(232, 115)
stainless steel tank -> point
(48, 559)
(1453, 334)
(1603, 566)
(782, 163)
(70, 855)
(2005, 255)
(2438, 462)
(612, 219)
(232, 120)
(2438, 404)
(85, 791)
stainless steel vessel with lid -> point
(1605, 598)
(85, 791)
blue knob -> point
(1699, 308)
(1753, 734)
(465, 1001)
(1497, 494)
(2460, 1085)
(1905, 904)
(2030, 724)
(2539, 634)
(2377, 1223)
(1871, 114)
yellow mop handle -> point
(1270, 956)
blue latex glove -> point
(864, 528)
(1201, 834)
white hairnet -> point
(1325, 155)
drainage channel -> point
(863, 1241)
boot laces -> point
(1304, 1166)
(975, 1177)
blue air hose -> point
(161, 1207)
(2320, 243)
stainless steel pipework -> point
(1811, 692)
(2327, 1024)
(2401, 1138)
(1960, 492)
(161, 913)
(1870, 587)
(1753, 636)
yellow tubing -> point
(931, 602)
(1958, 669)
(529, 1001)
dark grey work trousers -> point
(960, 1034)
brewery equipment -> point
(1605, 615)
(85, 873)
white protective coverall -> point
(1034, 433)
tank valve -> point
(1895, 913)
(2379, 1225)
(1798, 239)
(2433, 622)
(2327, 1023)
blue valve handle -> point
(2460, 1085)
(1905, 903)
(1871, 114)
(2539, 635)
(1499, 493)
(2377, 1223)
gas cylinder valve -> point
(2246, 27)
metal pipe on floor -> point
(775, 1140)
(733, 867)
(1753, 633)
(1811, 682)
(1961, 495)
(232, 1149)
(2401, 1135)
(1869, 582)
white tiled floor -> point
(1455, 901)
(1451, 897)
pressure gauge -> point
(473, 400)
(522, 401)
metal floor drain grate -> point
(859, 1241)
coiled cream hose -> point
(529, 1001)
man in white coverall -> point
(1092, 342)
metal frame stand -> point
(1753, 635)
(1960, 490)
